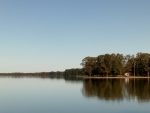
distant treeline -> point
(71, 74)
(102, 65)
(57, 74)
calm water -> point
(36, 95)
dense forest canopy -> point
(117, 64)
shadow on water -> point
(117, 89)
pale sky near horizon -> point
(50, 35)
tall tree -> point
(88, 64)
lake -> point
(45, 95)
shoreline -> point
(131, 77)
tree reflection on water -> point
(117, 89)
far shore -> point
(117, 77)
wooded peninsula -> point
(107, 65)
(114, 65)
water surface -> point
(37, 95)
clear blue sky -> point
(46, 35)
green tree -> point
(88, 64)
